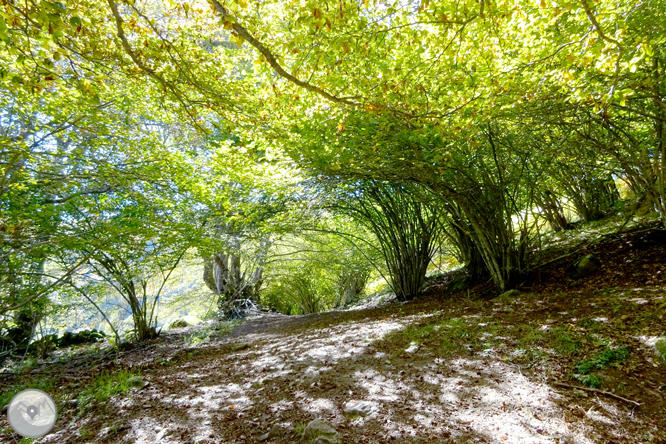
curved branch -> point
(597, 26)
(604, 36)
(142, 66)
(270, 58)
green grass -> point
(448, 337)
(605, 359)
(300, 428)
(40, 384)
(199, 336)
(227, 327)
(107, 385)
(564, 341)
(532, 336)
(591, 325)
(608, 358)
(660, 346)
(86, 433)
(204, 334)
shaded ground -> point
(447, 368)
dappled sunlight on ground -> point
(445, 370)
(281, 380)
(241, 387)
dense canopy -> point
(137, 133)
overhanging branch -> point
(270, 58)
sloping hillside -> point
(562, 361)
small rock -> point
(164, 433)
(240, 346)
(584, 266)
(360, 408)
(413, 348)
(318, 432)
(181, 323)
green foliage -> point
(660, 346)
(610, 357)
(107, 385)
(564, 341)
(304, 290)
(605, 359)
(325, 269)
(591, 380)
(45, 384)
(532, 336)
(113, 170)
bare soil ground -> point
(450, 367)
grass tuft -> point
(660, 346)
(592, 380)
(605, 359)
(300, 428)
(564, 341)
(204, 334)
(45, 385)
(107, 385)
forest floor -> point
(459, 367)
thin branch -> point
(108, 321)
(99, 190)
(612, 395)
(47, 289)
(137, 61)
(270, 58)
(604, 36)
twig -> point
(562, 257)
(612, 395)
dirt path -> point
(278, 373)
(437, 370)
